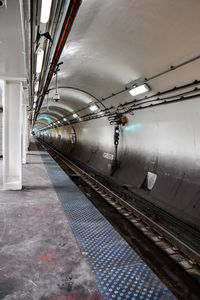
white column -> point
(12, 111)
(24, 133)
(28, 135)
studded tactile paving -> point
(119, 271)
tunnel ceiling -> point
(113, 43)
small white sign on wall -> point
(151, 180)
(108, 156)
(72, 137)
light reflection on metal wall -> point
(163, 140)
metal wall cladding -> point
(164, 140)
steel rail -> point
(138, 218)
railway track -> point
(178, 250)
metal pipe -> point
(196, 82)
(170, 69)
(149, 99)
(59, 9)
(161, 103)
(57, 82)
(81, 90)
(69, 19)
(95, 116)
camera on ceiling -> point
(3, 3)
(56, 97)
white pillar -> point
(12, 111)
(24, 133)
(28, 135)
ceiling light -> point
(93, 107)
(35, 99)
(40, 56)
(64, 119)
(58, 122)
(136, 90)
(45, 11)
(75, 115)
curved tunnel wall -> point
(164, 140)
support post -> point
(24, 133)
(12, 157)
(28, 135)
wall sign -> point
(72, 137)
(108, 156)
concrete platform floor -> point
(39, 255)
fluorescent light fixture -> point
(136, 90)
(93, 107)
(35, 99)
(74, 115)
(64, 119)
(45, 11)
(34, 105)
(36, 87)
(40, 56)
